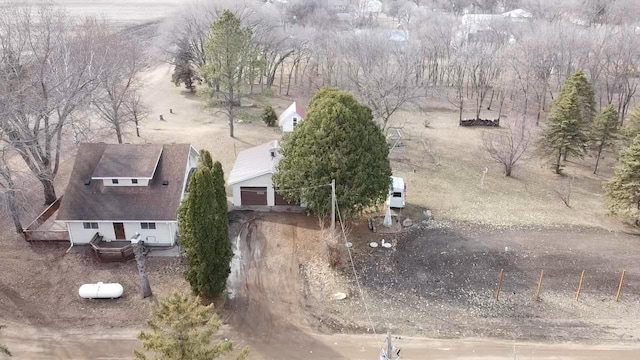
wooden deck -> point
(110, 251)
(45, 228)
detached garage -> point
(250, 179)
(253, 195)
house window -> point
(295, 122)
(148, 226)
(114, 181)
(134, 181)
(397, 194)
(90, 225)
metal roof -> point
(254, 162)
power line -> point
(355, 273)
(302, 188)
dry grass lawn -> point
(447, 179)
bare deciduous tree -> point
(9, 190)
(381, 72)
(507, 146)
(48, 69)
(115, 98)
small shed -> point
(291, 117)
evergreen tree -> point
(604, 131)
(586, 97)
(204, 230)
(269, 116)
(622, 192)
(222, 244)
(338, 140)
(586, 101)
(206, 159)
(184, 72)
(181, 329)
(229, 53)
(564, 133)
(631, 128)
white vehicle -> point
(398, 193)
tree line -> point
(63, 78)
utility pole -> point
(333, 205)
(389, 352)
(138, 252)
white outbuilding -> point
(291, 117)
(251, 177)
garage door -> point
(279, 200)
(253, 195)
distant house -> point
(118, 190)
(477, 26)
(369, 8)
(339, 6)
(291, 117)
(251, 177)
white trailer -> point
(398, 193)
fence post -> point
(500, 279)
(580, 286)
(539, 285)
(620, 286)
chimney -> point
(274, 149)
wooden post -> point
(500, 279)
(620, 286)
(539, 285)
(580, 286)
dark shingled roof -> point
(128, 161)
(97, 202)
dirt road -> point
(119, 344)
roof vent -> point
(165, 182)
(87, 183)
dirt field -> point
(440, 281)
(39, 287)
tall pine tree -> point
(204, 230)
(622, 192)
(564, 133)
(604, 131)
(222, 244)
(184, 71)
(229, 54)
(586, 97)
(631, 128)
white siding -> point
(260, 181)
(80, 235)
(192, 162)
(126, 182)
(287, 122)
(160, 236)
(164, 234)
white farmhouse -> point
(291, 117)
(251, 177)
(118, 190)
